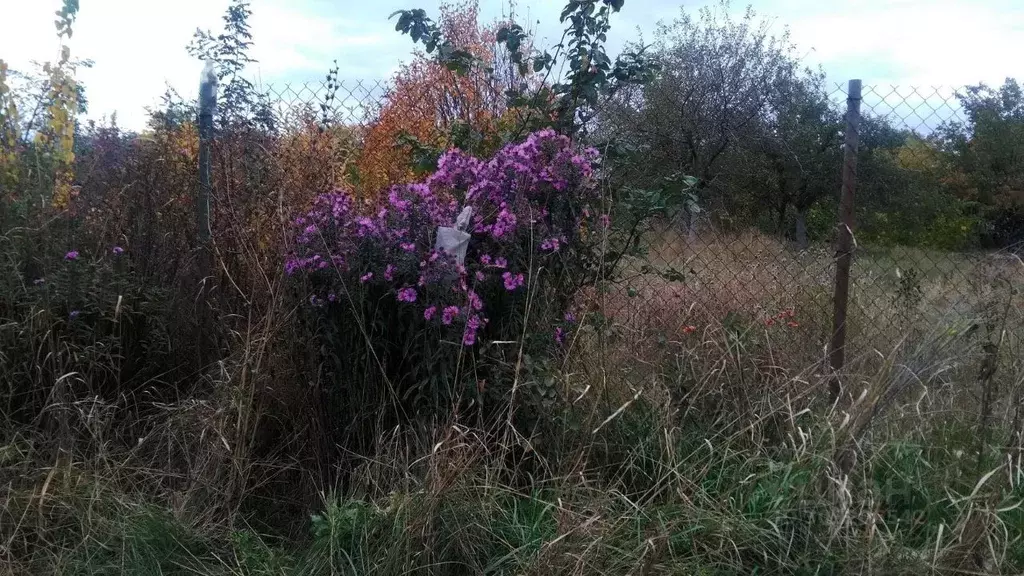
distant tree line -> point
(734, 106)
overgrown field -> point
(615, 363)
(658, 450)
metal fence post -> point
(207, 105)
(845, 245)
(204, 235)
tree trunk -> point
(801, 229)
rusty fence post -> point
(845, 244)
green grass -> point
(650, 452)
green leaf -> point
(672, 275)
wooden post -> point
(845, 245)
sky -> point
(138, 46)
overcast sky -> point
(139, 45)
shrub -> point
(377, 277)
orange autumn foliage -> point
(312, 159)
(427, 100)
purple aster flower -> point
(407, 295)
(474, 300)
(469, 334)
(559, 336)
(117, 250)
(72, 255)
(389, 273)
(449, 314)
(512, 281)
(500, 263)
(485, 259)
(429, 312)
(73, 314)
(479, 276)
(366, 277)
(408, 246)
(506, 222)
(570, 317)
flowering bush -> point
(535, 232)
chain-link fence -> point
(756, 242)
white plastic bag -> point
(455, 240)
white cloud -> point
(139, 45)
(289, 41)
(910, 42)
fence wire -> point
(756, 248)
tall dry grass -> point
(708, 452)
(145, 445)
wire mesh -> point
(755, 248)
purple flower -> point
(117, 250)
(366, 277)
(429, 312)
(72, 255)
(559, 336)
(552, 244)
(407, 295)
(73, 314)
(570, 317)
(506, 222)
(469, 334)
(39, 281)
(474, 300)
(512, 281)
(508, 191)
(449, 314)
(606, 222)
(366, 226)
(331, 297)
